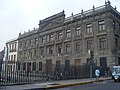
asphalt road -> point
(103, 85)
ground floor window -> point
(40, 66)
(24, 66)
(34, 66)
(103, 62)
(18, 66)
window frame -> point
(101, 25)
(77, 31)
(89, 28)
(68, 33)
(102, 43)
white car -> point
(116, 73)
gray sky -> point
(21, 15)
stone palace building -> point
(63, 42)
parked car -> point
(116, 73)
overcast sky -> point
(21, 15)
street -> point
(103, 85)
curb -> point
(68, 85)
(72, 84)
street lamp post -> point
(91, 56)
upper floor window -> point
(30, 54)
(30, 42)
(59, 49)
(101, 25)
(102, 42)
(14, 57)
(50, 37)
(77, 31)
(78, 47)
(35, 53)
(20, 54)
(89, 28)
(50, 50)
(36, 41)
(12, 46)
(60, 35)
(43, 39)
(15, 46)
(68, 48)
(68, 33)
(25, 43)
(25, 54)
(41, 51)
(89, 45)
(11, 57)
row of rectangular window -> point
(78, 48)
(12, 47)
(12, 57)
(50, 37)
(30, 66)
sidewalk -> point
(51, 85)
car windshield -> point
(117, 70)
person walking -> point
(97, 74)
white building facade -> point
(10, 58)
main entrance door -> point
(48, 66)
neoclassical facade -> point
(63, 42)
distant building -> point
(1, 58)
(62, 43)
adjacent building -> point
(61, 43)
(10, 59)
